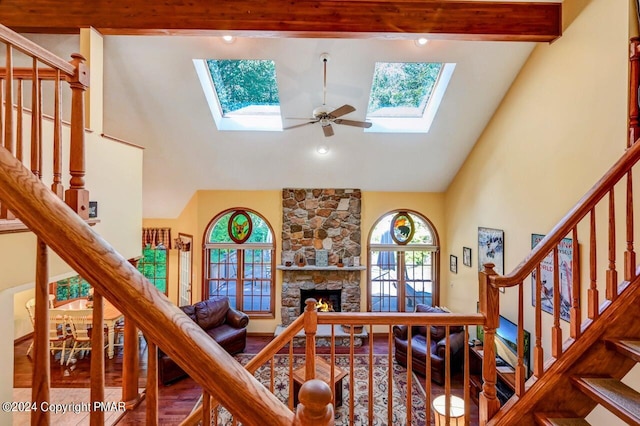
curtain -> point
(156, 237)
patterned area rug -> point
(361, 389)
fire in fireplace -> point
(328, 300)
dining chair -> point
(58, 333)
(31, 309)
(81, 324)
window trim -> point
(434, 248)
(141, 262)
(206, 246)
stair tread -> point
(630, 348)
(615, 395)
(557, 419)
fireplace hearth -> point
(329, 300)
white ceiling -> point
(153, 98)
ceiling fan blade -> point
(300, 125)
(363, 124)
(328, 130)
(344, 109)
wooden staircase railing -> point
(317, 392)
(45, 68)
(581, 221)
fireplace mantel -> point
(320, 268)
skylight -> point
(406, 95)
(242, 94)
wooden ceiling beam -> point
(445, 19)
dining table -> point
(111, 316)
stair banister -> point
(116, 279)
(565, 226)
(489, 305)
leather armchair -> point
(437, 350)
(225, 325)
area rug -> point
(380, 385)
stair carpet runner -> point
(612, 394)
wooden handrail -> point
(575, 215)
(117, 280)
(391, 318)
(31, 49)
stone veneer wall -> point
(293, 281)
(315, 219)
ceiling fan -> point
(324, 116)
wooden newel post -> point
(77, 197)
(310, 330)
(315, 407)
(490, 308)
(634, 84)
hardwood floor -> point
(177, 400)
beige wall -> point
(204, 205)
(559, 128)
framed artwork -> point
(565, 264)
(240, 226)
(491, 249)
(466, 256)
(453, 264)
(322, 258)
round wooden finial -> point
(311, 304)
(315, 406)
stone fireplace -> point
(320, 219)
(328, 300)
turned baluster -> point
(151, 398)
(36, 166)
(490, 308)
(315, 408)
(556, 331)
(592, 294)
(56, 185)
(629, 254)
(634, 85)
(612, 274)
(521, 375)
(5, 213)
(96, 417)
(77, 197)
(538, 351)
(41, 383)
(576, 316)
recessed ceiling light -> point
(228, 39)
(322, 149)
(421, 42)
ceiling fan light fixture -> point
(421, 42)
(228, 39)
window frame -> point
(240, 249)
(434, 248)
(140, 264)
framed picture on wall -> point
(466, 256)
(491, 249)
(453, 264)
(565, 267)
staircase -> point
(589, 372)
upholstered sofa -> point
(437, 350)
(225, 325)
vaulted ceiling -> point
(153, 97)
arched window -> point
(239, 260)
(403, 252)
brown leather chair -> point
(225, 325)
(437, 349)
